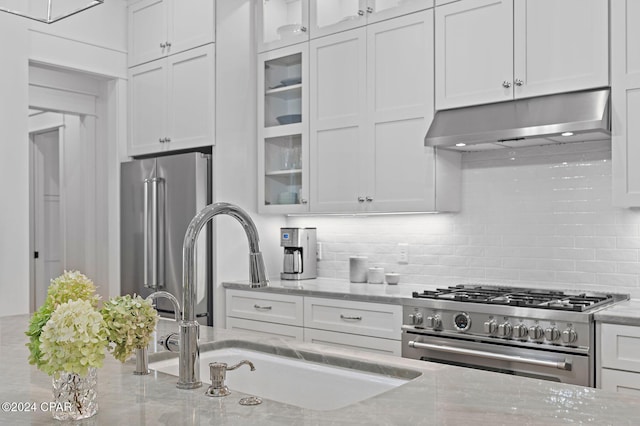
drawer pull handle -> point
(345, 317)
(262, 308)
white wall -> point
(14, 168)
(534, 216)
(236, 151)
(93, 41)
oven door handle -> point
(560, 365)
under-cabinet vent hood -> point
(566, 117)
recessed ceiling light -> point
(566, 134)
(461, 144)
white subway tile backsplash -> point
(543, 219)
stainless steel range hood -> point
(532, 121)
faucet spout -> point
(189, 374)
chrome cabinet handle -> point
(168, 44)
(506, 84)
(518, 82)
(262, 308)
(560, 365)
(163, 45)
(369, 199)
(303, 29)
(369, 9)
(167, 139)
(361, 12)
(350, 318)
(303, 201)
(361, 199)
(161, 140)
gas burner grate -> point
(511, 296)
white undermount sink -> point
(292, 381)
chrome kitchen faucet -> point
(189, 365)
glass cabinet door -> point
(283, 90)
(283, 130)
(378, 10)
(330, 16)
(282, 23)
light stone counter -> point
(338, 289)
(442, 395)
(625, 313)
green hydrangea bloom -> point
(130, 321)
(73, 339)
(71, 285)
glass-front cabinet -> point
(283, 147)
(331, 16)
(282, 23)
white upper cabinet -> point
(473, 52)
(625, 102)
(493, 50)
(283, 130)
(172, 102)
(371, 105)
(560, 46)
(331, 16)
(282, 23)
(158, 28)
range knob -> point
(434, 321)
(569, 335)
(504, 330)
(551, 334)
(536, 332)
(490, 327)
(520, 331)
(416, 319)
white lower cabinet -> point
(373, 327)
(619, 365)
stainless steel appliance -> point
(299, 253)
(544, 334)
(158, 198)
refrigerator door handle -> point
(153, 234)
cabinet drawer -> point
(351, 341)
(620, 381)
(286, 332)
(620, 347)
(278, 308)
(368, 319)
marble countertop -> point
(338, 289)
(441, 395)
(626, 313)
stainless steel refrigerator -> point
(158, 198)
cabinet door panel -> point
(191, 98)
(474, 52)
(147, 30)
(560, 46)
(620, 381)
(354, 342)
(148, 107)
(385, 9)
(191, 25)
(338, 114)
(625, 102)
(400, 111)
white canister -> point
(358, 269)
(376, 275)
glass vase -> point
(75, 396)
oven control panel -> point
(541, 331)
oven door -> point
(537, 363)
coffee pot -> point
(299, 262)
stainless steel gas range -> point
(544, 334)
